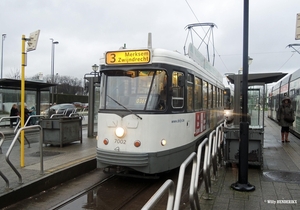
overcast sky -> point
(85, 29)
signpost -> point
(32, 43)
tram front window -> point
(135, 90)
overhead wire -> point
(286, 61)
(192, 10)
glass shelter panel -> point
(256, 105)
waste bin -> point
(60, 131)
(255, 145)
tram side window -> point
(214, 98)
(205, 94)
(198, 93)
(221, 98)
(217, 97)
(210, 96)
(177, 89)
(190, 92)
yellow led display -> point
(127, 57)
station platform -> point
(277, 186)
(60, 164)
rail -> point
(211, 147)
(11, 117)
(214, 153)
(56, 115)
(12, 145)
(26, 124)
(199, 173)
(168, 185)
(220, 142)
(75, 114)
(1, 141)
(1, 174)
(183, 166)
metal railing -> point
(26, 124)
(168, 185)
(1, 141)
(11, 117)
(212, 147)
(1, 174)
(11, 147)
(17, 125)
(64, 113)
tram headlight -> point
(163, 142)
(226, 112)
(120, 132)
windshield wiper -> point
(124, 107)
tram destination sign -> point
(127, 57)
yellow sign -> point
(127, 57)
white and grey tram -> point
(155, 108)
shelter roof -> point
(29, 85)
(259, 78)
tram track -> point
(121, 192)
(113, 193)
(98, 190)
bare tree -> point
(14, 74)
(66, 84)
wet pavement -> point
(277, 185)
(60, 164)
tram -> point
(156, 106)
(288, 86)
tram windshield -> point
(134, 89)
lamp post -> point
(53, 43)
(3, 38)
(91, 111)
(242, 184)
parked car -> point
(78, 104)
(65, 109)
(85, 106)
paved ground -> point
(277, 186)
(59, 164)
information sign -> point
(298, 27)
(127, 57)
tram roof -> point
(261, 78)
(29, 85)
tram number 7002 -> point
(120, 141)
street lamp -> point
(92, 79)
(249, 60)
(249, 63)
(95, 68)
(3, 38)
(52, 66)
